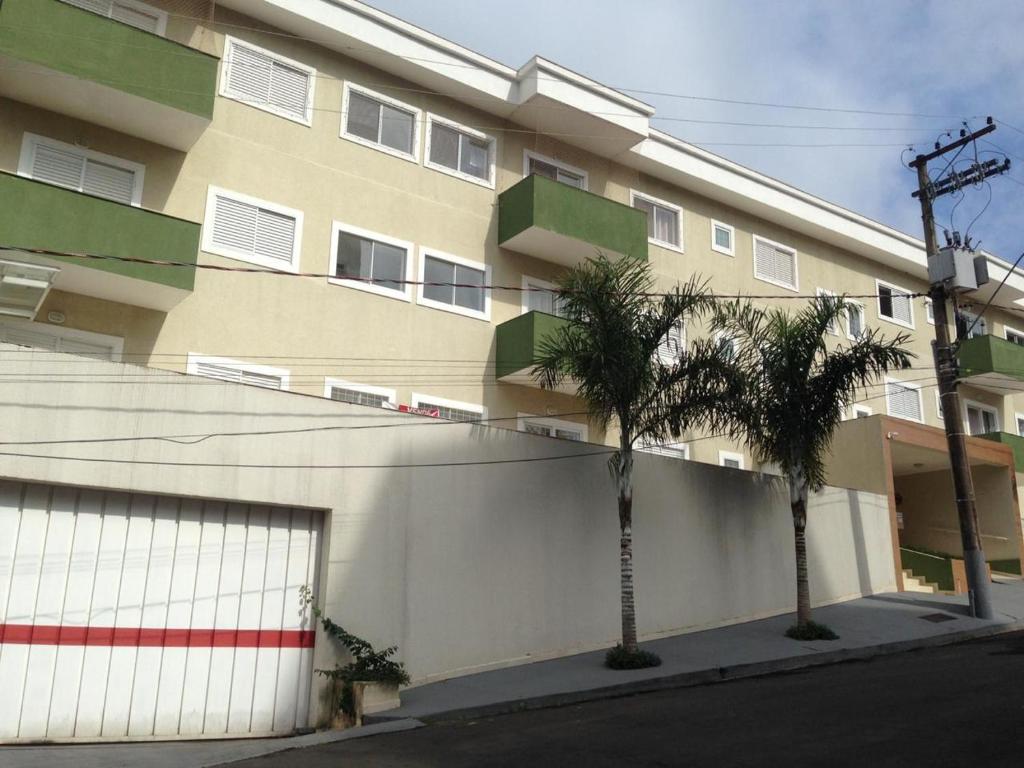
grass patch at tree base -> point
(812, 630)
(619, 658)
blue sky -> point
(954, 59)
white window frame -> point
(547, 421)
(161, 16)
(1018, 417)
(863, 319)
(210, 247)
(795, 287)
(1007, 330)
(537, 282)
(681, 248)
(419, 398)
(938, 406)
(738, 457)
(330, 383)
(491, 152)
(929, 311)
(981, 407)
(405, 294)
(878, 304)
(195, 358)
(834, 328)
(417, 121)
(731, 250)
(670, 449)
(424, 252)
(857, 409)
(674, 360)
(529, 154)
(116, 343)
(906, 385)
(26, 160)
(225, 68)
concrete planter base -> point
(372, 697)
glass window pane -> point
(354, 256)
(648, 208)
(475, 157)
(396, 129)
(666, 228)
(541, 301)
(570, 179)
(363, 116)
(469, 297)
(388, 266)
(437, 271)
(444, 146)
(541, 168)
(723, 238)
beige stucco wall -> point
(464, 567)
(345, 333)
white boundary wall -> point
(464, 568)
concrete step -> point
(912, 583)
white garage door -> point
(128, 615)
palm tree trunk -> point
(625, 483)
(798, 505)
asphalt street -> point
(950, 706)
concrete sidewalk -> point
(867, 627)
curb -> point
(706, 676)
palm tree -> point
(609, 350)
(795, 392)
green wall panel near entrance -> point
(518, 341)
(34, 215)
(82, 44)
(537, 201)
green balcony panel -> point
(35, 215)
(518, 344)
(78, 63)
(1015, 442)
(992, 364)
(558, 223)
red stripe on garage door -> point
(43, 634)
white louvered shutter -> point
(904, 402)
(109, 181)
(774, 264)
(101, 7)
(275, 236)
(237, 375)
(136, 17)
(670, 349)
(289, 89)
(358, 397)
(259, 79)
(234, 225)
(901, 308)
(57, 166)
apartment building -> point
(326, 159)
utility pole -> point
(947, 368)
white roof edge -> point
(546, 65)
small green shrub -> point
(367, 665)
(619, 658)
(812, 630)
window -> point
(670, 349)
(371, 262)
(854, 320)
(903, 400)
(564, 430)
(929, 311)
(664, 221)
(674, 450)
(775, 263)
(381, 122)
(730, 459)
(970, 325)
(237, 371)
(553, 169)
(833, 327)
(242, 227)
(359, 394)
(129, 12)
(460, 151)
(861, 411)
(267, 81)
(726, 343)
(541, 296)
(23, 287)
(981, 419)
(722, 236)
(454, 284)
(81, 169)
(894, 304)
(452, 410)
(57, 339)
(1019, 418)
(1014, 336)
(938, 405)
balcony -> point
(564, 225)
(40, 216)
(68, 60)
(1015, 442)
(518, 344)
(992, 364)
